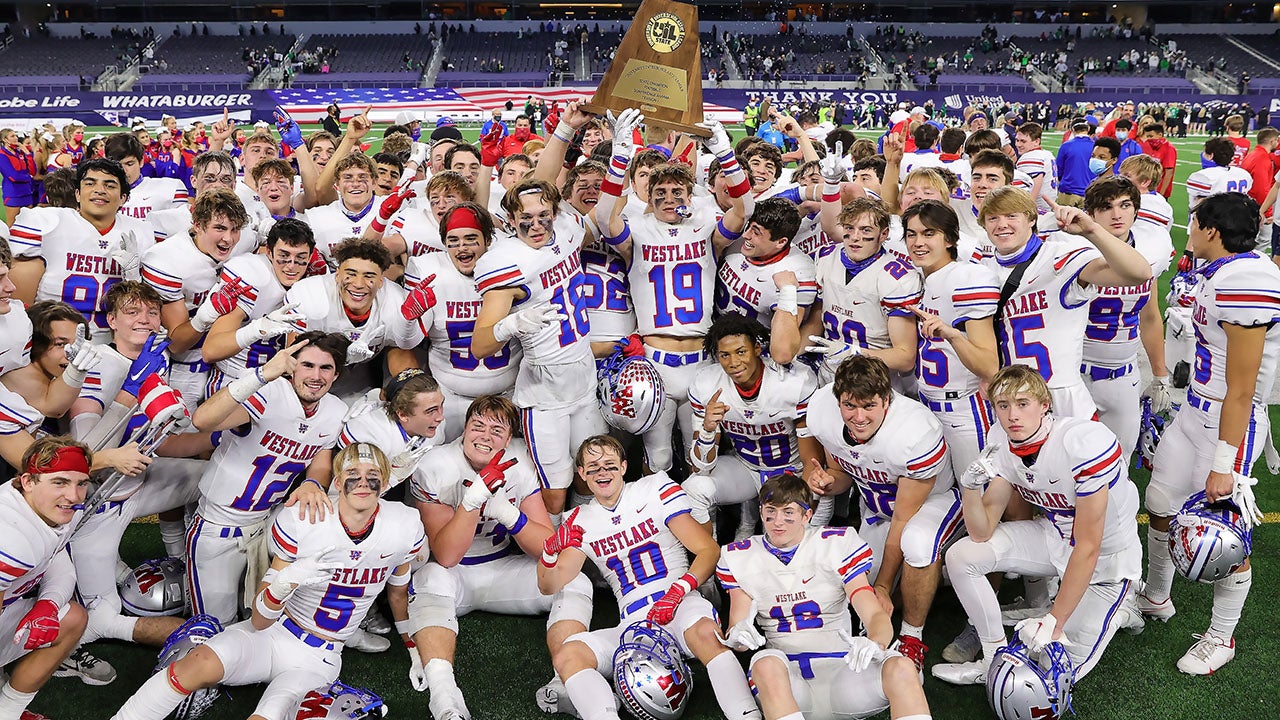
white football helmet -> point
(630, 392)
(649, 673)
(192, 634)
(1022, 687)
(1209, 541)
(155, 588)
(339, 701)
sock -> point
(730, 684)
(912, 630)
(174, 535)
(1159, 566)
(1229, 595)
(989, 648)
(439, 674)
(13, 702)
(592, 695)
(106, 623)
(1036, 591)
(153, 701)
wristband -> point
(410, 644)
(611, 187)
(556, 133)
(740, 189)
(243, 387)
(1224, 458)
(788, 301)
(830, 192)
(725, 232)
(378, 226)
(858, 590)
(549, 560)
(260, 604)
(621, 238)
(688, 581)
(402, 627)
(706, 438)
(519, 525)
(312, 480)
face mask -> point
(522, 133)
(78, 137)
(167, 143)
(416, 134)
(1097, 166)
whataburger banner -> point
(23, 110)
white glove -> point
(359, 350)
(526, 322)
(980, 472)
(206, 315)
(1158, 392)
(624, 126)
(718, 144)
(127, 256)
(744, 635)
(1242, 496)
(310, 570)
(417, 676)
(365, 404)
(1035, 633)
(1272, 457)
(275, 323)
(83, 357)
(862, 651)
(419, 153)
(475, 495)
(832, 165)
(833, 352)
(404, 462)
(501, 510)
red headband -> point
(463, 219)
(65, 459)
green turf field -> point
(503, 660)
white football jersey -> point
(762, 428)
(420, 230)
(1041, 163)
(15, 338)
(177, 221)
(918, 159)
(249, 473)
(449, 327)
(180, 272)
(908, 444)
(1111, 338)
(1213, 180)
(673, 274)
(857, 305)
(802, 601)
(336, 608)
(265, 294)
(333, 223)
(1079, 458)
(442, 479)
(1048, 311)
(30, 545)
(958, 293)
(252, 201)
(78, 268)
(746, 287)
(811, 240)
(607, 294)
(1156, 210)
(322, 310)
(150, 194)
(372, 423)
(1241, 290)
(16, 414)
(631, 544)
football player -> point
(40, 624)
(1220, 431)
(1039, 164)
(412, 231)
(146, 194)
(479, 498)
(1220, 177)
(640, 537)
(406, 422)
(892, 448)
(807, 577)
(349, 215)
(324, 577)
(211, 171)
(1072, 470)
(44, 382)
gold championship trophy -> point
(658, 69)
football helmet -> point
(1153, 426)
(1022, 687)
(339, 701)
(630, 392)
(192, 634)
(649, 673)
(154, 588)
(1209, 541)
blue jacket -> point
(1073, 165)
(18, 169)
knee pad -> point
(573, 602)
(434, 600)
(700, 490)
(968, 557)
(918, 549)
(1160, 502)
(769, 653)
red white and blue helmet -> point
(1023, 687)
(630, 392)
(339, 701)
(1153, 426)
(191, 634)
(649, 673)
(1209, 541)
(155, 588)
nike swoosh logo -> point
(642, 507)
(806, 580)
(384, 557)
(324, 435)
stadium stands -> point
(39, 63)
(196, 54)
(365, 60)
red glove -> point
(493, 474)
(632, 346)
(566, 536)
(41, 625)
(390, 204)
(159, 402)
(665, 608)
(421, 299)
(491, 147)
(317, 264)
(1186, 262)
(224, 299)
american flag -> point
(309, 105)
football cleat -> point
(1161, 611)
(969, 673)
(1207, 655)
(367, 642)
(554, 698)
(965, 648)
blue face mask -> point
(416, 134)
(1097, 166)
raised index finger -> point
(294, 348)
(715, 397)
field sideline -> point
(503, 660)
